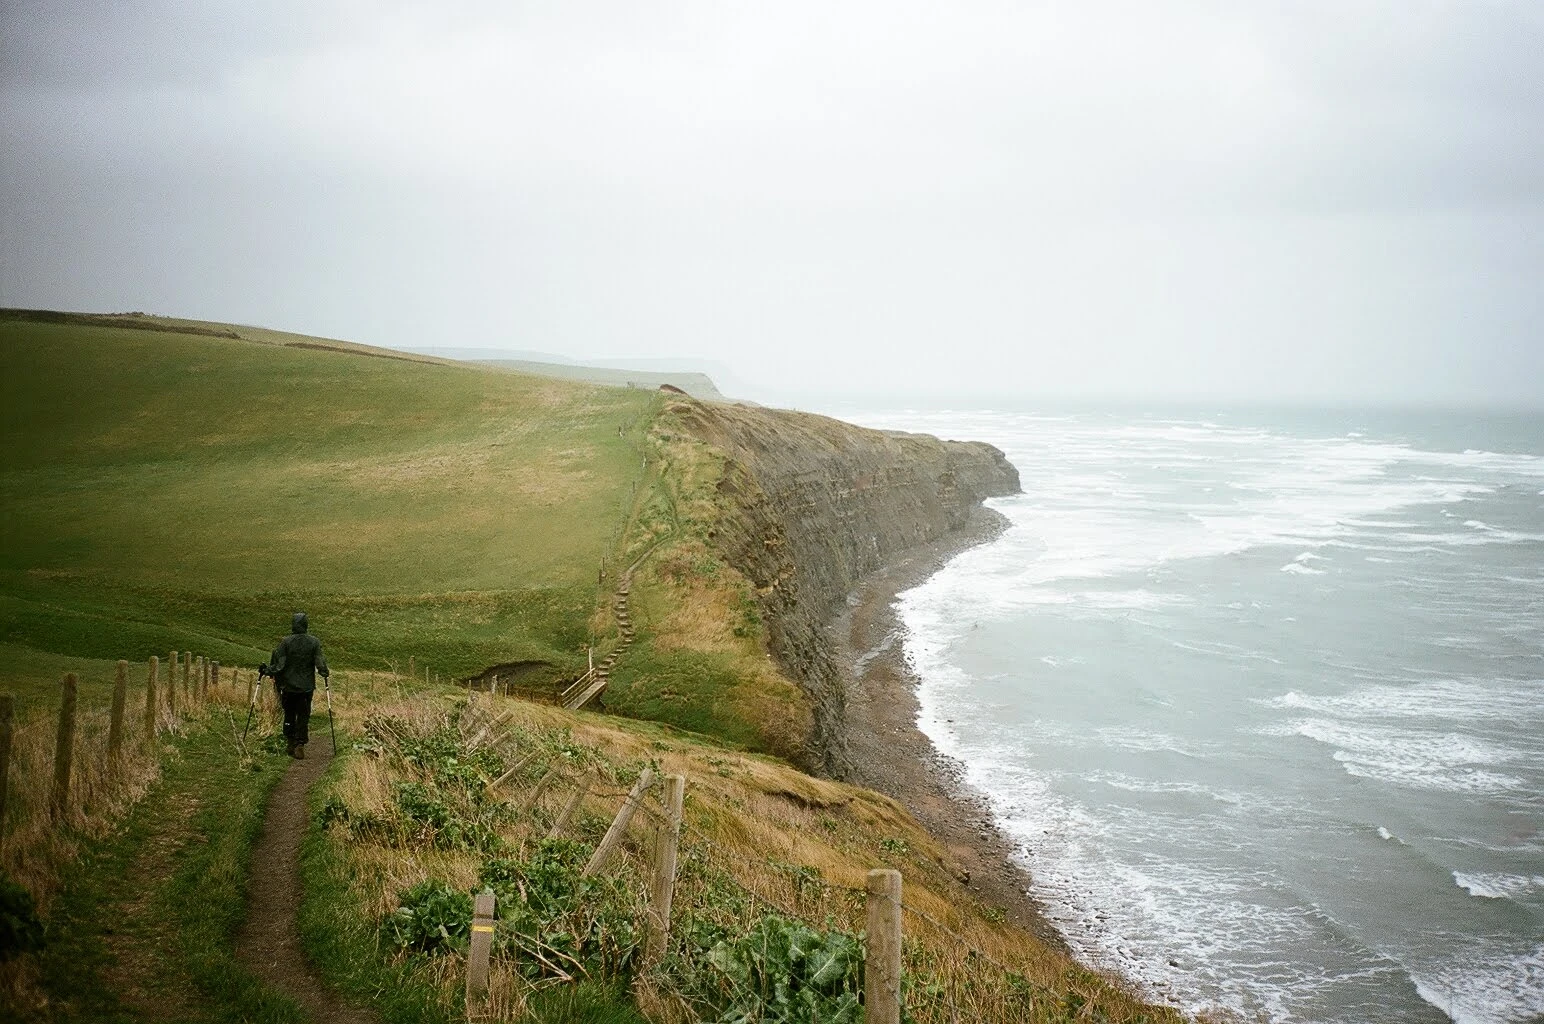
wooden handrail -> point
(578, 685)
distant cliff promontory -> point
(812, 505)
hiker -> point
(296, 661)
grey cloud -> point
(1310, 200)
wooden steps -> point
(578, 696)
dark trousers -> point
(297, 716)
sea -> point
(1260, 697)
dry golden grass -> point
(36, 849)
(789, 842)
(703, 610)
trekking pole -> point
(332, 729)
(251, 707)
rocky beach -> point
(889, 753)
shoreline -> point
(890, 754)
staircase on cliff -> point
(594, 681)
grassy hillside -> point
(766, 850)
(701, 662)
(174, 485)
(698, 385)
(160, 488)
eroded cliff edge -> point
(809, 506)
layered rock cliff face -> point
(811, 505)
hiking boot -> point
(289, 748)
(300, 751)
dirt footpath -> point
(269, 941)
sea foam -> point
(1160, 549)
(1496, 886)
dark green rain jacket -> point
(298, 659)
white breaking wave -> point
(1487, 982)
(1496, 886)
(1100, 504)
(1153, 811)
(1411, 757)
(1467, 700)
(1415, 776)
(1129, 738)
(1132, 784)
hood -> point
(298, 623)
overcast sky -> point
(1229, 199)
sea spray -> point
(1262, 702)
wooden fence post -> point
(214, 676)
(514, 769)
(487, 728)
(171, 684)
(7, 716)
(187, 676)
(151, 704)
(882, 964)
(477, 956)
(568, 811)
(613, 838)
(537, 790)
(662, 892)
(115, 723)
(64, 750)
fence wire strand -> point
(704, 849)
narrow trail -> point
(601, 678)
(269, 941)
(139, 949)
(625, 631)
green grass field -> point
(170, 485)
(164, 490)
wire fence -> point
(69, 775)
(951, 977)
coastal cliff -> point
(808, 506)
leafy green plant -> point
(780, 971)
(433, 918)
(429, 819)
(442, 757)
(749, 616)
(803, 877)
(559, 923)
(333, 812)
